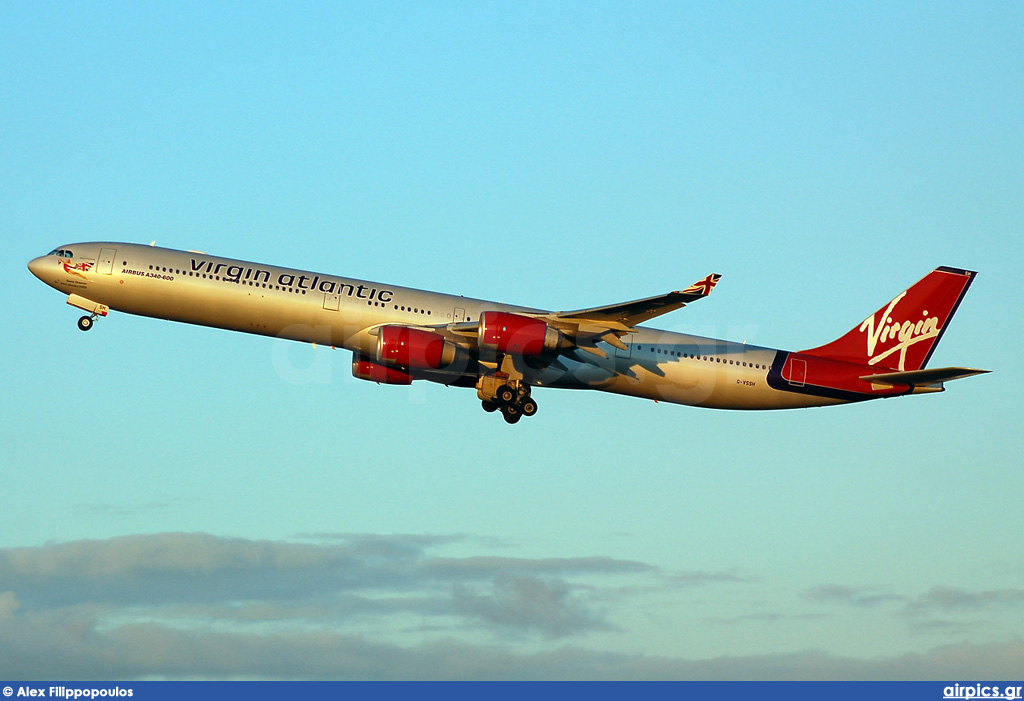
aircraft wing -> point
(608, 323)
(626, 315)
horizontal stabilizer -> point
(922, 377)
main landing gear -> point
(514, 402)
(506, 390)
(86, 322)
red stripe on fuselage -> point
(825, 377)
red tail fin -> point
(903, 334)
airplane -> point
(398, 335)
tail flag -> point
(903, 334)
(702, 288)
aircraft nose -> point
(36, 266)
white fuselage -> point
(196, 288)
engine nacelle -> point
(517, 334)
(413, 348)
(368, 369)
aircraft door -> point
(332, 301)
(459, 315)
(105, 265)
(795, 371)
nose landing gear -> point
(94, 310)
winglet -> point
(702, 288)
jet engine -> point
(413, 348)
(366, 368)
(518, 334)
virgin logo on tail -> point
(907, 333)
(902, 335)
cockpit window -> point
(62, 253)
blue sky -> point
(186, 502)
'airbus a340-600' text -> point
(398, 335)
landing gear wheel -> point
(85, 323)
(528, 407)
(489, 406)
(511, 414)
(505, 395)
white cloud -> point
(74, 649)
(8, 604)
(695, 578)
(530, 603)
(154, 602)
(854, 596)
(953, 598)
(384, 607)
